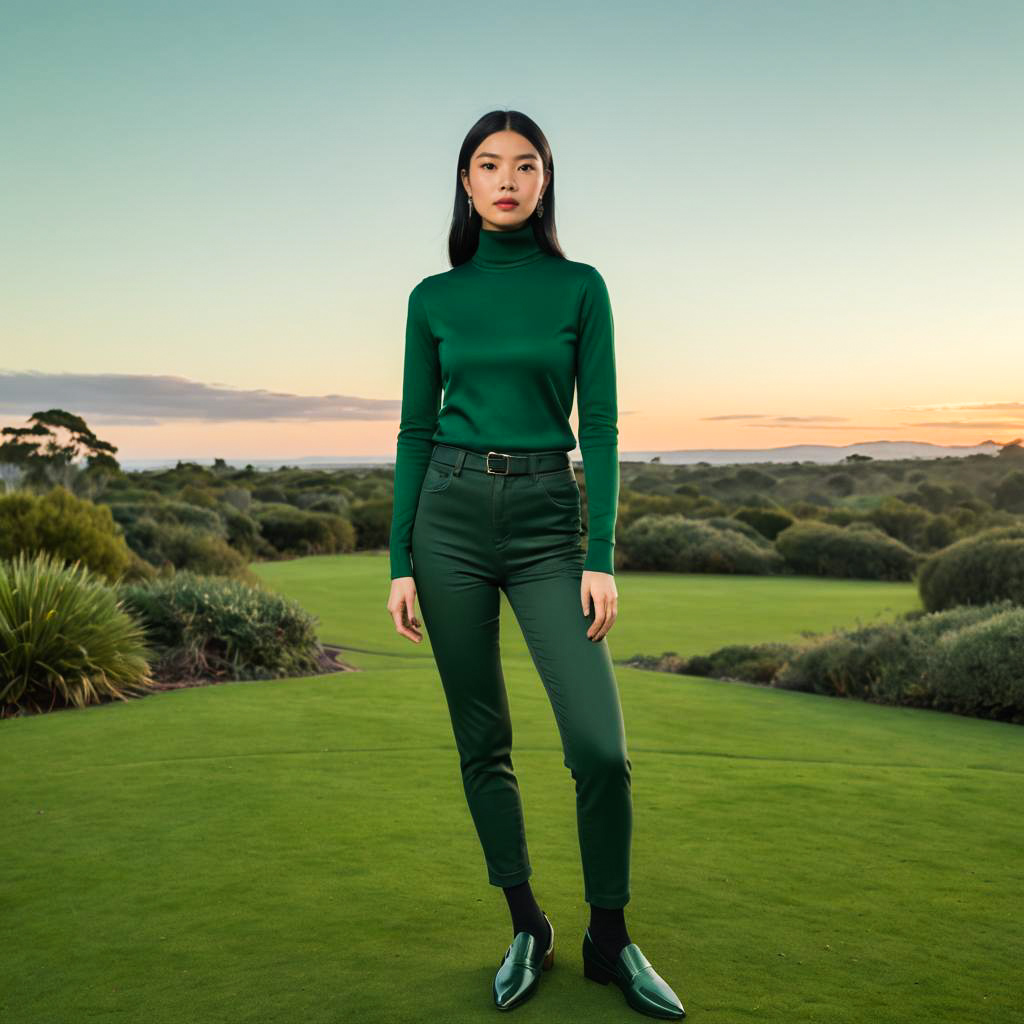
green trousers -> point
(477, 533)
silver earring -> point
(540, 207)
(469, 203)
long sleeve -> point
(598, 421)
(421, 401)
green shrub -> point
(208, 627)
(979, 669)
(769, 522)
(65, 639)
(294, 531)
(889, 662)
(65, 525)
(820, 549)
(676, 544)
(976, 570)
(171, 545)
(752, 663)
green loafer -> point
(519, 971)
(645, 990)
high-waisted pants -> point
(477, 533)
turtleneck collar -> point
(503, 250)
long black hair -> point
(465, 230)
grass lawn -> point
(300, 851)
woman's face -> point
(505, 166)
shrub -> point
(889, 662)
(752, 663)
(769, 522)
(976, 570)
(182, 547)
(207, 627)
(820, 549)
(979, 669)
(65, 640)
(294, 531)
(677, 544)
(67, 526)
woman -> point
(486, 501)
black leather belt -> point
(501, 463)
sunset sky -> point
(808, 214)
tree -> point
(37, 452)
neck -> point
(504, 250)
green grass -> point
(300, 851)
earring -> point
(540, 207)
(469, 203)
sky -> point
(808, 214)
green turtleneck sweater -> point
(506, 336)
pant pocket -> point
(560, 488)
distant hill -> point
(819, 453)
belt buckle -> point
(497, 472)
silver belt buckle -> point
(497, 472)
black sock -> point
(527, 916)
(608, 930)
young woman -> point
(486, 501)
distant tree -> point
(38, 452)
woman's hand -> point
(599, 587)
(401, 604)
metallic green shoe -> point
(645, 990)
(519, 971)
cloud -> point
(148, 399)
(777, 421)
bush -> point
(909, 662)
(676, 544)
(294, 531)
(979, 669)
(65, 640)
(752, 663)
(769, 522)
(819, 549)
(976, 570)
(207, 627)
(182, 547)
(70, 527)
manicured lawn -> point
(300, 851)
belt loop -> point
(533, 460)
(459, 460)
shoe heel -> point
(549, 961)
(596, 973)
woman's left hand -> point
(599, 588)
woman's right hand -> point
(402, 604)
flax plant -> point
(66, 640)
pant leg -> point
(579, 677)
(460, 601)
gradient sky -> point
(809, 214)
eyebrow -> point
(522, 156)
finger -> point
(600, 606)
(401, 627)
(611, 615)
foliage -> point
(70, 527)
(65, 639)
(209, 627)
(821, 549)
(976, 570)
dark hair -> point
(465, 230)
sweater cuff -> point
(401, 565)
(600, 556)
